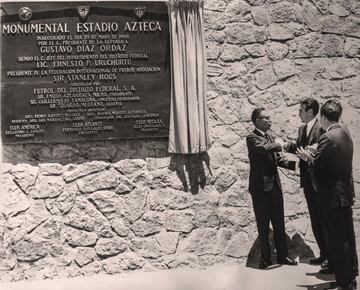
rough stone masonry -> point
(108, 207)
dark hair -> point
(331, 110)
(310, 103)
(256, 113)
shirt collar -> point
(262, 133)
(310, 125)
(328, 128)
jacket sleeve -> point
(323, 153)
(261, 146)
(293, 146)
(285, 163)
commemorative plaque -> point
(73, 71)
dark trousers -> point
(340, 242)
(316, 221)
(269, 207)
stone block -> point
(205, 217)
(230, 52)
(352, 47)
(134, 205)
(351, 88)
(84, 256)
(108, 247)
(85, 216)
(237, 33)
(49, 230)
(276, 50)
(179, 221)
(79, 238)
(181, 260)
(266, 78)
(212, 51)
(124, 262)
(295, 90)
(322, 5)
(48, 186)
(271, 98)
(119, 226)
(12, 199)
(102, 180)
(327, 89)
(225, 176)
(214, 70)
(236, 196)
(312, 16)
(163, 199)
(239, 246)
(284, 12)
(25, 176)
(29, 250)
(130, 166)
(237, 217)
(352, 27)
(50, 169)
(340, 8)
(214, 5)
(149, 224)
(355, 8)
(75, 171)
(168, 241)
(317, 45)
(284, 69)
(255, 50)
(281, 32)
(215, 36)
(260, 16)
(66, 199)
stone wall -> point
(109, 207)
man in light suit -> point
(308, 136)
(265, 188)
(333, 171)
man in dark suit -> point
(308, 136)
(333, 171)
(265, 188)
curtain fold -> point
(188, 114)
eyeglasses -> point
(263, 117)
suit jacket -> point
(307, 179)
(333, 168)
(264, 159)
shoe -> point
(264, 264)
(317, 261)
(325, 264)
(326, 271)
(287, 261)
(333, 286)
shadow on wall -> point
(193, 164)
(296, 247)
(80, 152)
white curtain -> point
(188, 114)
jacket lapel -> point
(313, 131)
(271, 155)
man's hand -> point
(304, 154)
(312, 148)
(281, 142)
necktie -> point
(304, 139)
(267, 137)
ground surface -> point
(224, 277)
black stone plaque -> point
(75, 71)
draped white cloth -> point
(188, 114)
